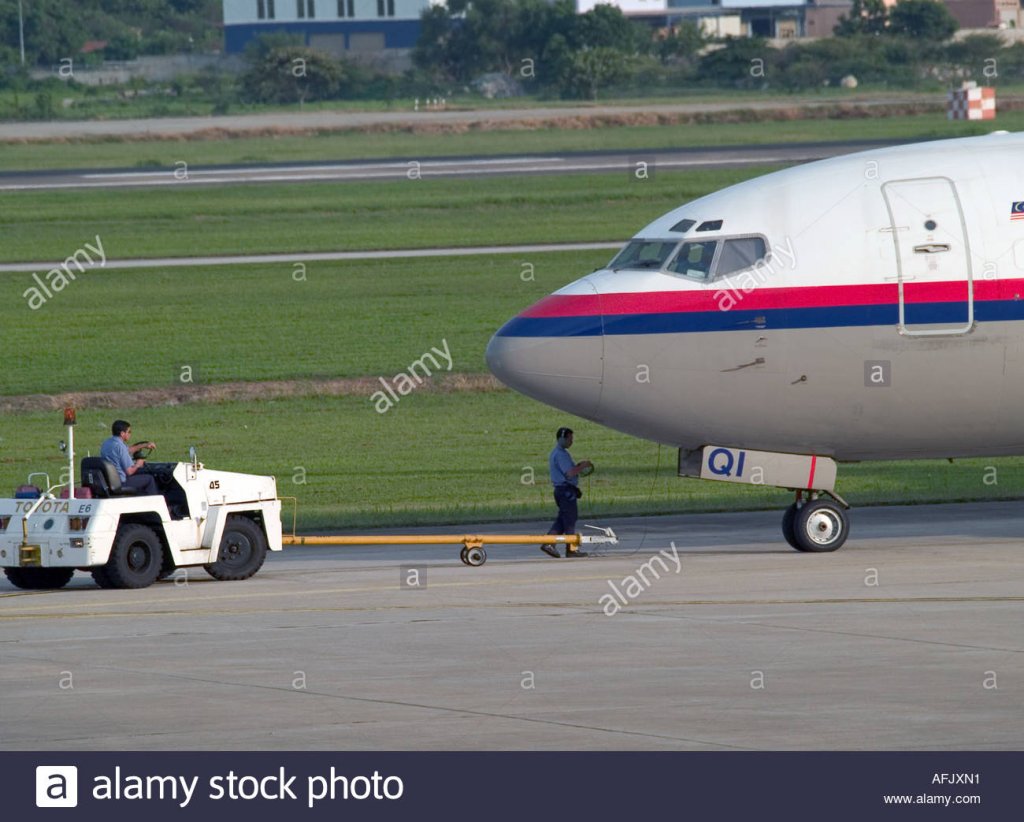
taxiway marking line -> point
(397, 165)
(320, 256)
(397, 174)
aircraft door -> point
(933, 256)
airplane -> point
(863, 307)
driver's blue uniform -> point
(117, 454)
(559, 462)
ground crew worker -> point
(565, 479)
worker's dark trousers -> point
(143, 483)
(565, 497)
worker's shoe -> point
(576, 554)
(550, 550)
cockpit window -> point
(650, 254)
(683, 226)
(739, 254)
(710, 259)
(702, 260)
(694, 260)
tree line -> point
(548, 50)
(57, 29)
(552, 51)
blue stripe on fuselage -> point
(684, 322)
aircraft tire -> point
(789, 526)
(820, 526)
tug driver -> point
(121, 455)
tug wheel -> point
(135, 560)
(39, 579)
(243, 548)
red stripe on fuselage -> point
(814, 467)
(667, 302)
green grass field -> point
(354, 145)
(282, 218)
(346, 319)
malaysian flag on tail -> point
(1017, 211)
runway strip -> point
(907, 638)
(442, 167)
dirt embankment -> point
(235, 392)
(528, 122)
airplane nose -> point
(554, 351)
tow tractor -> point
(221, 521)
(218, 520)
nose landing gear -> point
(816, 522)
